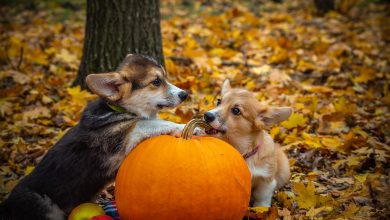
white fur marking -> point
(105, 115)
(263, 193)
(145, 104)
(216, 124)
(174, 89)
(263, 171)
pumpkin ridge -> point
(235, 173)
(124, 172)
(236, 178)
(237, 160)
(215, 150)
(171, 187)
(192, 175)
(205, 164)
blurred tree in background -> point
(115, 28)
(324, 6)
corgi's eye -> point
(219, 101)
(156, 82)
(236, 111)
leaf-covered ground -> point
(332, 69)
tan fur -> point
(269, 166)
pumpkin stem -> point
(190, 127)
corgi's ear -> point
(225, 87)
(107, 85)
(272, 116)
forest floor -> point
(333, 69)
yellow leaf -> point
(259, 209)
(291, 137)
(361, 177)
(355, 160)
(10, 185)
(283, 198)
(311, 140)
(338, 163)
(223, 53)
(313, 212)
(305, 195)
(79, 97)
(66, 57)
(299, 106)
(332, 123)
(274, 131)
(40, 57)
(350, 210)
(171, 67)
(46, 99)
(331, 142)
(342, 105)
(295, 120)
(305, 66)
(310, 102)
(321, 47)
(207, 103)
(318, 89)
(170, 117)
(250, 85)
(279, 77)
(15, 43)
(19, 77)
(312, 175)
(261, 70)
(5, 107)
(366, 74)
(37, 112)
(280, 56)
(28, 170)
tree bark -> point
(115, 28)
(324, 6)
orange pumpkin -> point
(173, 178)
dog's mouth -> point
(161, 106)
(213, 131)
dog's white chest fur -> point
(259, 164)
(259, 171)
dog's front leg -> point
(263, 191)
(149, 128)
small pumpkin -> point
(182, 178)
(86, 211)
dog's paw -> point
(177, 130)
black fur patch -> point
(75, 169)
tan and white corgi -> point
(241, 120)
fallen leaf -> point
(295, 120)
(305, 195)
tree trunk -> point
(115, 28)
(323, 6)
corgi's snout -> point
(177, 94)
(209, 117)
(183, 95)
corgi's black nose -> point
(209, 117)
(183, 95)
